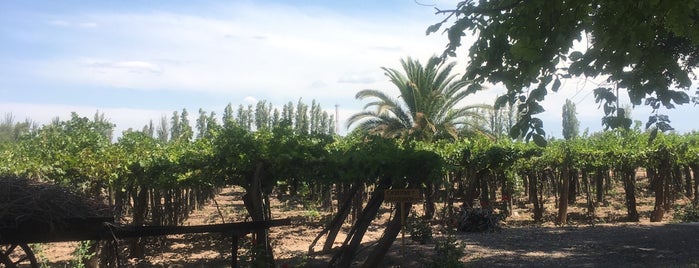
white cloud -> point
(64, 23)
(250, 100)
(128, 66)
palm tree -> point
(426, 108)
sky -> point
(137, 61)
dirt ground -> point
(605, 242)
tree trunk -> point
(659, 189)
(471, 189)
(506, 191)
(573, 186)
(588, 196)
(449, 196)
(485, 191)
(357, 207)
(389, 235)
(525, 183)
(343, 258)
(533, 186)
(531, 181)
(688, 182)
(429, 201)
(629, 178)
(599, 186)
(695, 169)
(336, 224)
(326, 197)
(140, 206)
(563, 205)
(255, 204)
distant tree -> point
(148, 129)
(163, 131)
(10, 131)
(228, 116)
(301, 122)
(571, 124)
(175, 128)
(495, 123)
(106, 127)
(212, 125)
(263, 115)
(244, 117)
(276, 118)
(428, 107)
(187, 132)
(288, 114)
(202, 123)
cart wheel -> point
(17, 255)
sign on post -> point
(402, 195)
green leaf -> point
(575, 55)
(515, 132)
(501, 101)
(679, 97)
(539, 140)
(556, 85)
(576, 68)
(653, 134)
(433, 28)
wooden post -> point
(402, 196)
(234, 249)
(402, 228)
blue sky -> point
(140, 60)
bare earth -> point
(621, 245)
(519, 244)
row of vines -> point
(156, 181)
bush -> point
(478, 220)
(448, 253)
(82, 254)
(686, 213)
(419, 229)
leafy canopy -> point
(648, 47)
(428, 105)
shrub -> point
(419, 229)
(478, 220)
(448, 253)
(82, 254)
(686, 213)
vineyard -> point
(160, 177)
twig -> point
(219, 211)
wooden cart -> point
(17, 253)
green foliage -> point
(686, 213)
(570, 121)
(251, 250)
(40, 255)
(428, 105)
(526, 46)
(82, 254)
(448, 253)
(419, 228)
